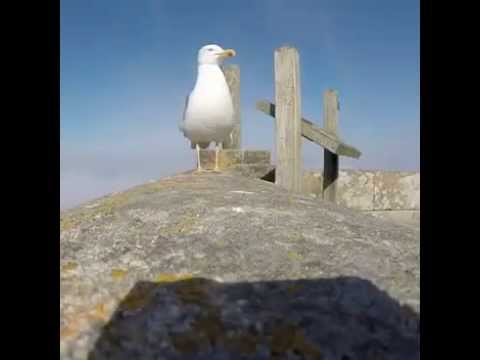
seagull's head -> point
(213, 54)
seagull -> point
(208, 113)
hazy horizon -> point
(126, 69)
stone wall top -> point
(371, 189)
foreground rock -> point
(217, 266)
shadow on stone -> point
(343, 318)
(270, 176)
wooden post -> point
(330, 160)
(232, 75)
(288, 171)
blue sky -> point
(126, 67)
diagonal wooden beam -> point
(316, 134)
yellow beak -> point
(227, 53)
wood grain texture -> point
(316, 134)
(288, 119)
(232, 75)
(330, 159)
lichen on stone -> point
(138, 298)
(118, 274)
(167, 278)
(284, 258)
(294, 256)
(184, 225)
(70, 265)
(193, 291)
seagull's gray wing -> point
(181, 126)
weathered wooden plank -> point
(330, 160)
(330, 112)
(316, 134)
(288, 173)
(232, 75)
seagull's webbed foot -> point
(199, 170)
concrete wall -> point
(393, 195)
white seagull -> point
(208, 114)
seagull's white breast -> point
(209, 109)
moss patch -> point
(71, 265)
(185, 225)
(287, 337)
(118, 274)
(138, 298)
(294, 256)
(292, 289)
(167, 278)
(193, 291)
(109, 205)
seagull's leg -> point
(217, 149)
(199, 165)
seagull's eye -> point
(209, 49)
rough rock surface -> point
(403, 217)
(371, 190)
(217, 266)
